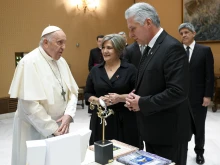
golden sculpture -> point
(102, 114)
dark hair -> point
(99, 36)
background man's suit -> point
(95, 57)
(164, 116)
(132, 54)
(201, 68)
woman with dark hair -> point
(111, 81)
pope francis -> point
(46, 92)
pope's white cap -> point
(50, 29)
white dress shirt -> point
(191, 48)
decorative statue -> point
(102, 114)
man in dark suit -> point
(123, 34)
(132, 54)
(201, 68)
(160, 97)
(95, 56)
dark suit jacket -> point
(164, 117)
(201, 69)
(95, 57)
(132, 54)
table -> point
(90, 159)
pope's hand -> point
(65, 123)
(57, 133)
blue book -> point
(143, 158)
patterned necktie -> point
(187, 51)
(141, 65)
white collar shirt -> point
(191, 48)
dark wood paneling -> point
(3, 105)
(8, 105)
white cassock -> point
(40, 102)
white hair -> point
(47, 37)
(188, 26)
(141, 11)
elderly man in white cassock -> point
(46, 92)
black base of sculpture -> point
(103, 152)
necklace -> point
(60, 82)
(112, 68)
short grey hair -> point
(47, 37)
(141, 11)
(117, 40)
(188, 26)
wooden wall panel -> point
(23, 21)
(3, 105)
(8, 105)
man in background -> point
(132, 54)
(95, 56)
(46, 92)
(123, 34)
(201, 68)
(160, 96)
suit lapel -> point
(151, 53)
(146, 61)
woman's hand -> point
(94, 100)
(115, 98)
(105, 99)
(112, 98)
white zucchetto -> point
(50, 29)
